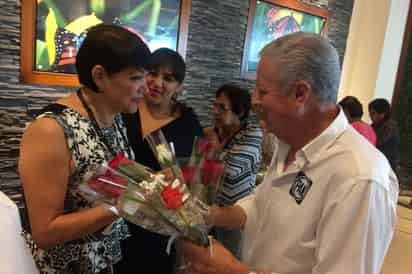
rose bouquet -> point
(204, 171)
(166, 208)
(110, 180)
(149, 200)
(164, 153)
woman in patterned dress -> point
(67, 141)
(239, 140)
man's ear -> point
(99, 75)
(302, 92)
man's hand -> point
(211, 217)
(218, 261)
(229, 217)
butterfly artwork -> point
(67, 45)
(282, 21)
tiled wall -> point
(215, 44)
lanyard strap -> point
(95, 125)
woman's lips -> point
(135, 99)
(154, 94)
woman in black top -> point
(145, 252)
(386, 129)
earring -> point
(174, 97)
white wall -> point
(386, 80)
(373, 49)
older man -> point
(328, 201)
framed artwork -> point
(271, 19)
(53, 30)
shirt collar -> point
(311, 150)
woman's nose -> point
(142, 89)
(156, 80)
(214, 111)
(255, 104)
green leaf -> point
(135, 171)
(98, 6)
(312, 23)
(61, 22)
(128, 17)
(42, 57)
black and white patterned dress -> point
(96, 252)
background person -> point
(387, 131)
(352, 108)
(239, 141)
(15, 256)
(159, 109)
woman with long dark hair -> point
(159, 109)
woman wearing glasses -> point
(239, 141)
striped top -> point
(242, 156)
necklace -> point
(95, 125)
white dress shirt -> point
(346, 220)
(15, 257)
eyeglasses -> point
(220, 107)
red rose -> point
(172, 197)
(211, 171)
(204, 146)
(119, 159)
(109, 191)
(188, 173)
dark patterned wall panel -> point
(216, 37)
(16, 99)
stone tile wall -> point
(215, 45)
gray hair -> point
(306, 56)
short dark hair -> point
(239, 99)
(114, 48)
(380, 106)
(352, 106)
(164, 57)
